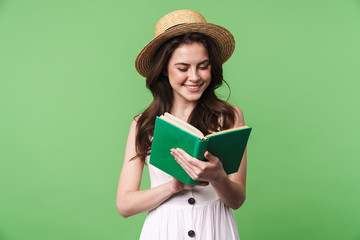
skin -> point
(189, 75)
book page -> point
(225, 131)
(182, 124)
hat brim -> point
(221, 36)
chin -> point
(194, 99)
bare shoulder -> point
(136, 119)
(131, 140)
(239, 117)
(134, 123)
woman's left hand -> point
(205, 171)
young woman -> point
(183, 67)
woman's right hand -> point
(130, 200)
(178, 185)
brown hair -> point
(209, 108)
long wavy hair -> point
(208, 110)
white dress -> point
(189, 214)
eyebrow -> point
(186, 64)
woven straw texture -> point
(179, 23)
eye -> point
(204, 67)
(182, 69)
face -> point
(189, 72)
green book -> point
(171, 132)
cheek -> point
(176, 77)
(206, 75)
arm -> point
(231, 189)
(129, 199)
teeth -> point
(193, 87)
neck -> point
(182, 111)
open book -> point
(171, 132)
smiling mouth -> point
(193, 88)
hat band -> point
(175, 26)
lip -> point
(193, 88)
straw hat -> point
(179, 23)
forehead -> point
(189, 53)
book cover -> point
(228, 146)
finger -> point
(182, 153)
(181, 185)
(181, 156)
(203, 184)
(191, 160)
(185, 157)
(181, 160)
(189, 186)
(194, 167)
(210, 157)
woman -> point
(183, 67)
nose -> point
(193, 75)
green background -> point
(69, 90)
